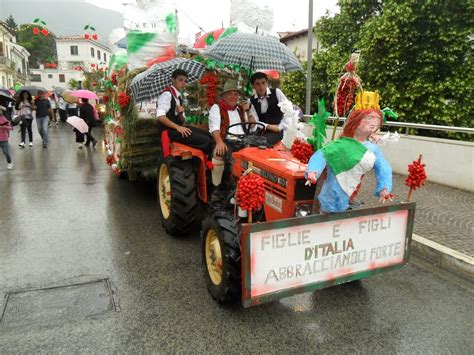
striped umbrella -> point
(254, 51)
(149, 84)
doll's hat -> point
(367, 100)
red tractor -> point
(285, 249)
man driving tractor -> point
(226, 112)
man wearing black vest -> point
(170, 114)
(265, 107)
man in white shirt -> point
(222, 115)
(265, 108)
(170, 114)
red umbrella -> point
(204, 40)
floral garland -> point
(210, 80)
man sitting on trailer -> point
(265, 108)
(170, 113)
(223, 114)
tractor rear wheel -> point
(220, 244)
(177, 196)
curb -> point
(447, 258)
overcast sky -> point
(289, 15)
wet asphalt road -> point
(65, 218)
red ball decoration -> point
(110, 160)
(123, 99)
(301, 150)
(250, 192)
(86, 36)
(416, 174)
(44, 32)
(36, 31)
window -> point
(98, 54)
(36, 77)
(1, 50)
(105, 58)
(92, 52)
(74, 50)
(50, 76)
(62, 78)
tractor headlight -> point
(302, 210)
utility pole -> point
(310, 58)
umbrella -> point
(78, 123)
(254, 51)
(68, 97)
(6, 96)
(33, 89)
(84, 94)
(149, 84)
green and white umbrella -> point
(149, 84)
(254, 51)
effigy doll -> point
(347, 159)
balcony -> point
(6, 64)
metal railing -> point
(408, 125)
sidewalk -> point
(443, 231)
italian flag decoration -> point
(349, 160)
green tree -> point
(73, 84)
(418, 55)
(10, 21)
(41, 47)
(338, 35)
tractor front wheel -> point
(177, 196)
(220, 242)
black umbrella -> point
(33, 89)
(149, 84)
(254, 51)
(6, 96)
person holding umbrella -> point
(265, 108)
(86, 112)
(170, 114)
(43, 113)
(25, 107)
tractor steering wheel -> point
(246, 129)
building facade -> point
(13, 59)
(75, 51)
(298, 42)
(55, 78)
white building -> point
(13, 59)
(54, 78)
(76, 51)
(298, 42)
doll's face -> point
(368, 125)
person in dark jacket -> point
(43, 113)
(87, 114)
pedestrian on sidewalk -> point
(5, 127)
(43, 112)
(86, 112)
(25, 107)
(72, 109)
(53, 100)
(62, 104)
